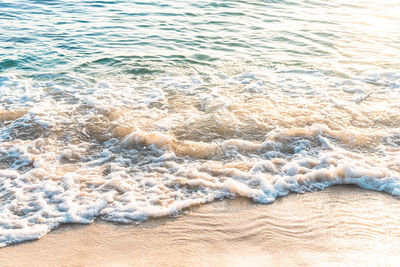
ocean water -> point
(126, 110)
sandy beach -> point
(199, 133)
(338, 226)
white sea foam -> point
(125, 152)
(117, 187)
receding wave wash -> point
(125, 110)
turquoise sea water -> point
(126, 110)
(101, 38)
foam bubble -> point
(125, 152)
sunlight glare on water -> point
(125, 110)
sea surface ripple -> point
(125, 110)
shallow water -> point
(339, 226)
(130, 110)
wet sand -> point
(343, 225)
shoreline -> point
(338, 225)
